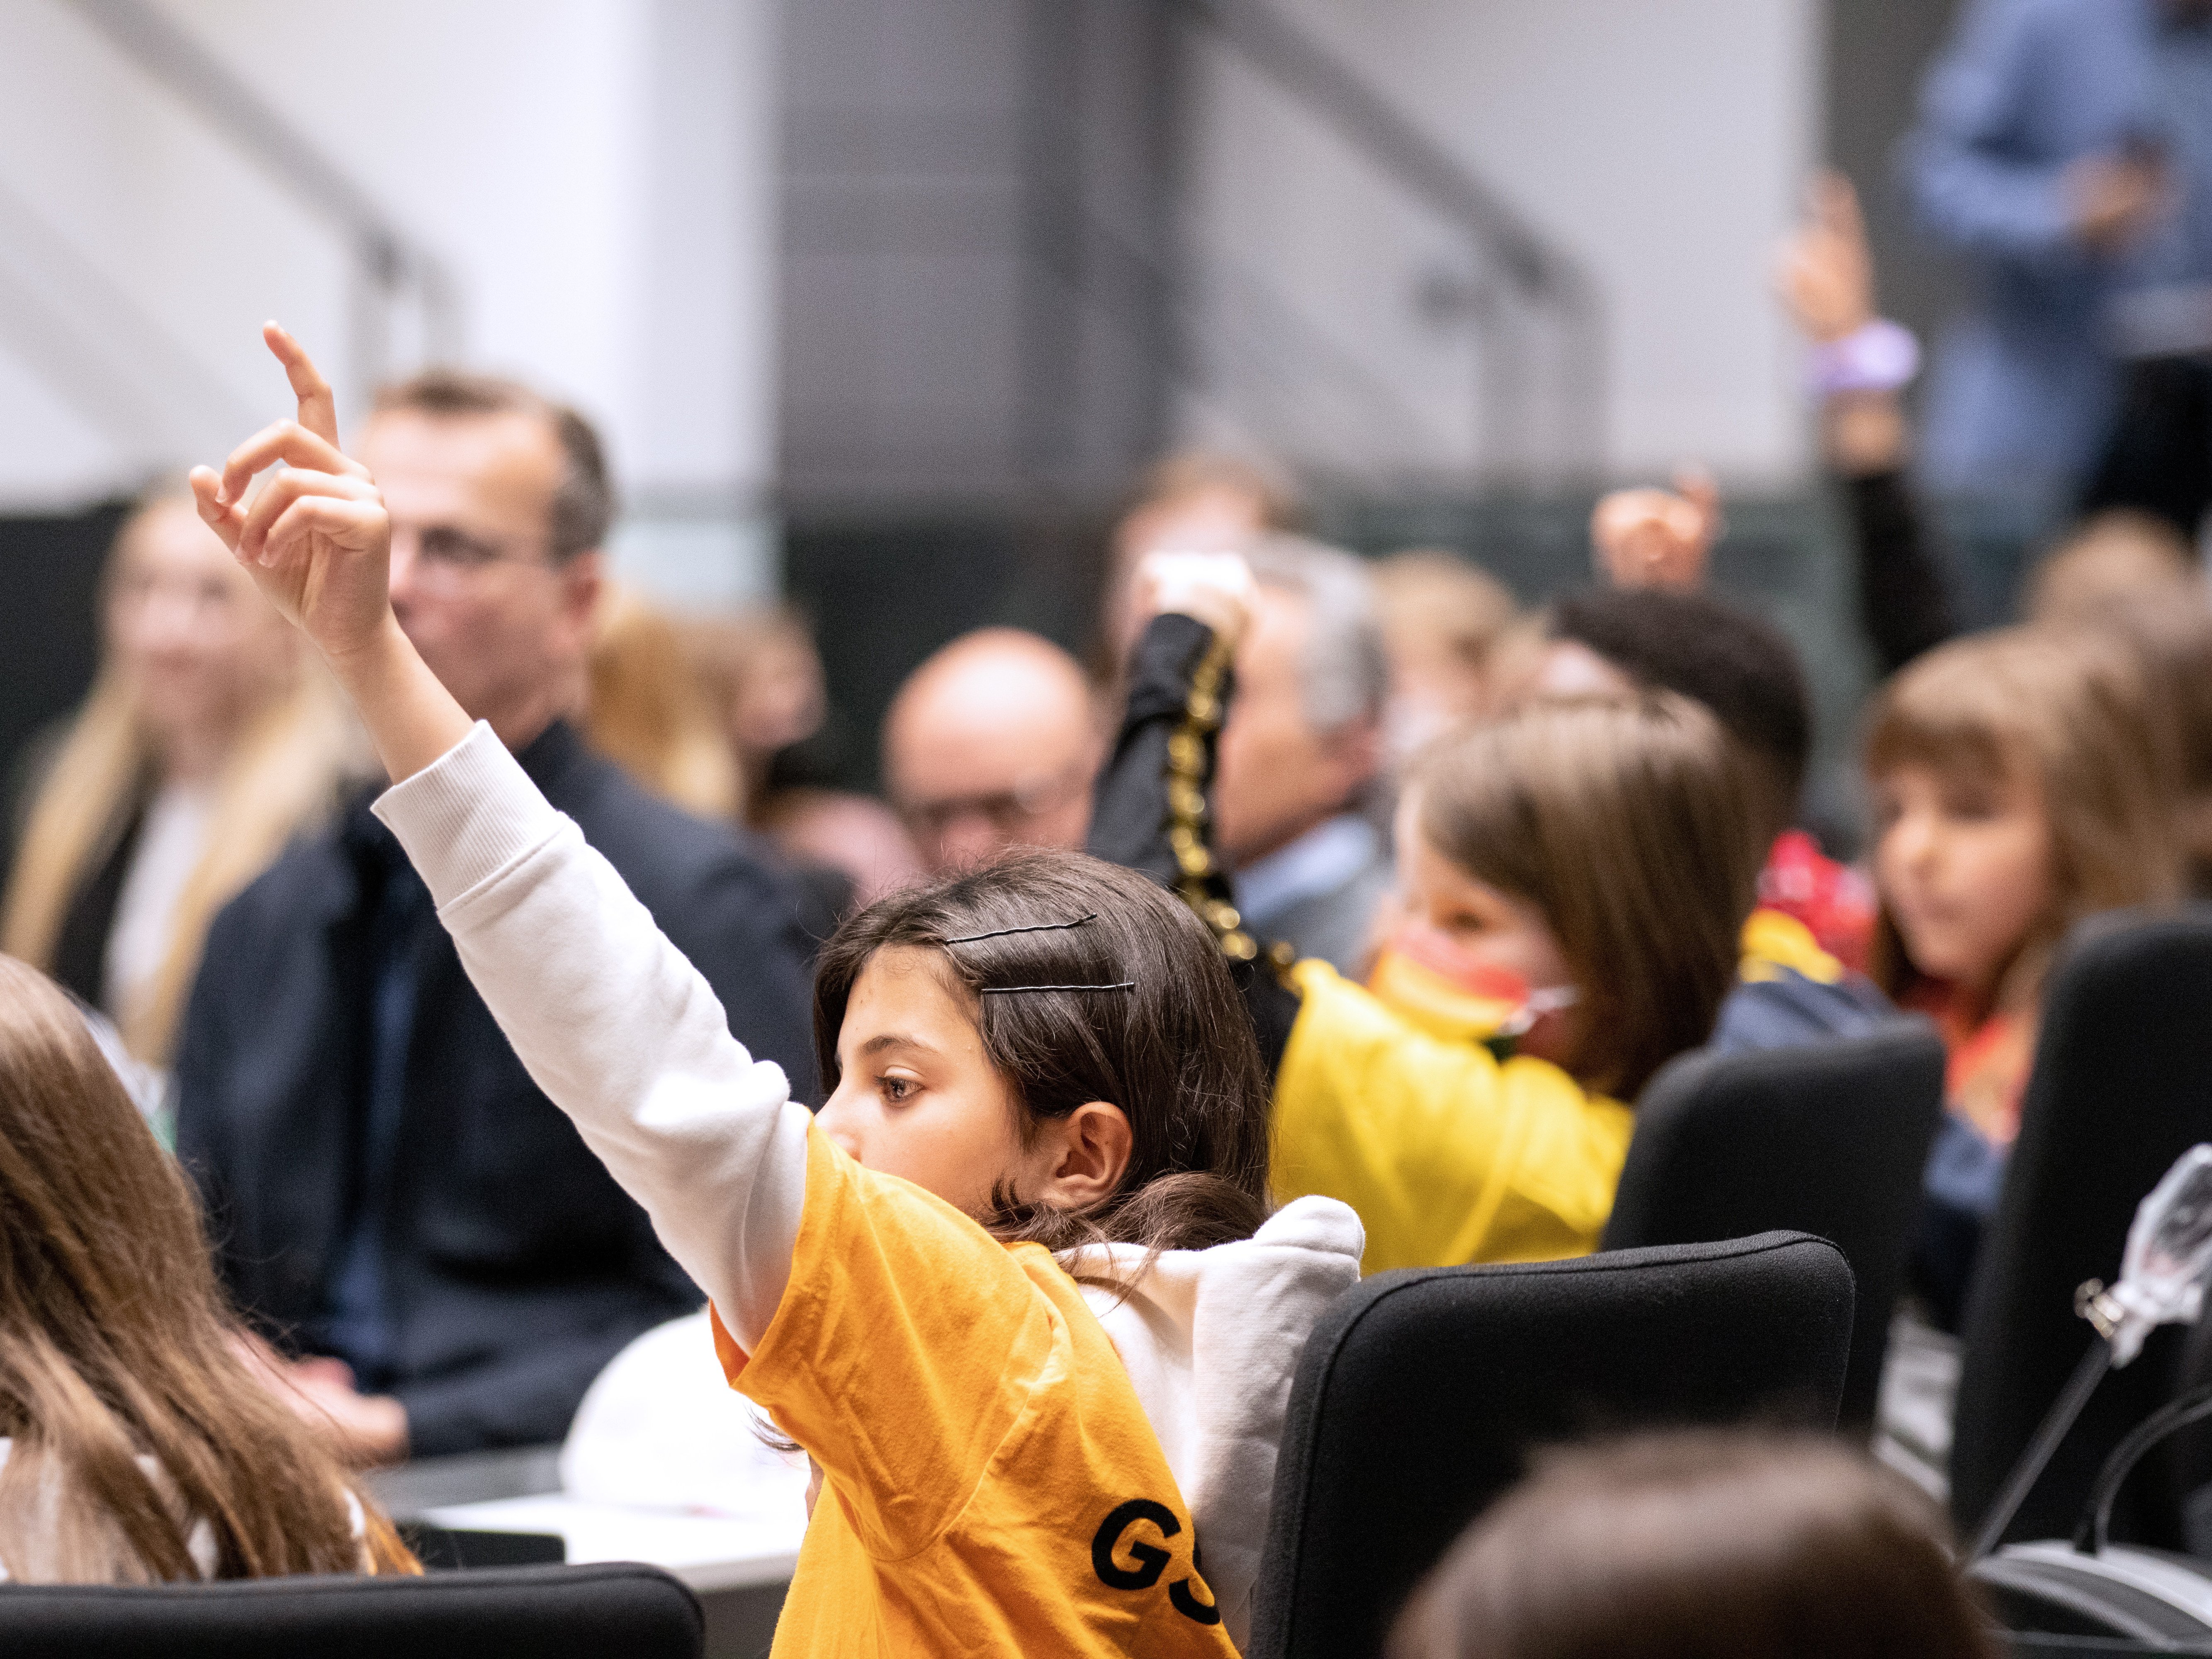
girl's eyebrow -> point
(894, 1040)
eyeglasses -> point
(448, 557)
(1006, 811)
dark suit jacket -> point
(514, 1267)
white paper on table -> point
(660, 1428)
(707, 1552)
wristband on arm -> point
(1879, 356)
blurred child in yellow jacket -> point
(1573, 882)
(1574, 878)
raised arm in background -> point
(1150, 809)
(1861, 365)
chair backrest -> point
(620, 1610)
(1421, 1392)
(2122, 1087)
(1829, 1139)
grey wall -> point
(1877, 52)
(975, 214)
(599, 175)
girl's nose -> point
(835, 1120)
(1918, 839)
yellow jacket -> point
(1448, 1155)
(1772, 940)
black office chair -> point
(620, 1610)
(2122, 1087)
(1421, 1392)
(1829, 1139)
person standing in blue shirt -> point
(2060, 151)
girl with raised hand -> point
(139, 1443)
(1572, 881)
(1018, 1452)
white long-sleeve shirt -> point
(613, 1024)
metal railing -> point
(1526, 287)
(99, 351)
(1235, 338)
(386, 265)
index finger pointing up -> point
(319, 411)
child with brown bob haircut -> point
(1572, 880)
(140, 1443)
(1700, 1545)
(2020, 783)
(1016, 1452)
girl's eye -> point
(1972, 808)
(895, 1088)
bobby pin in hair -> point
(1008, 990)
(1038, 927)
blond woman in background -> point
(206, 744)
(651, 712)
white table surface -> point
(707, 1550)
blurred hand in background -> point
(2114, 199)
(1215, 588)
(1658, 538)
(1825, 273)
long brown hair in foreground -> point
(1176, 1053)
(1700, 1545)
(1633, 828)
(115, 1342)
(2071, 710)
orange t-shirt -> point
(1835, 902)
(991, 1483)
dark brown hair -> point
(583, 503)
(1631, 828)
(116, 1344)
(1175, 1052)
(1700, 1545)
(1742, 668)
(2072, 708)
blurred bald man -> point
(991, 744)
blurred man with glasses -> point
(441, 1265)
(991, 744)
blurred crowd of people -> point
(1437, 883)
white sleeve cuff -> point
(468, 815)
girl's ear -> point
(1090, 1150)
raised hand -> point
(1658, 538)
(2113, 200)
(1216, 588)
(318, 542)
(1825, 273)
(314, 535)
(1826, 278)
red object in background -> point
(1834, 902)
